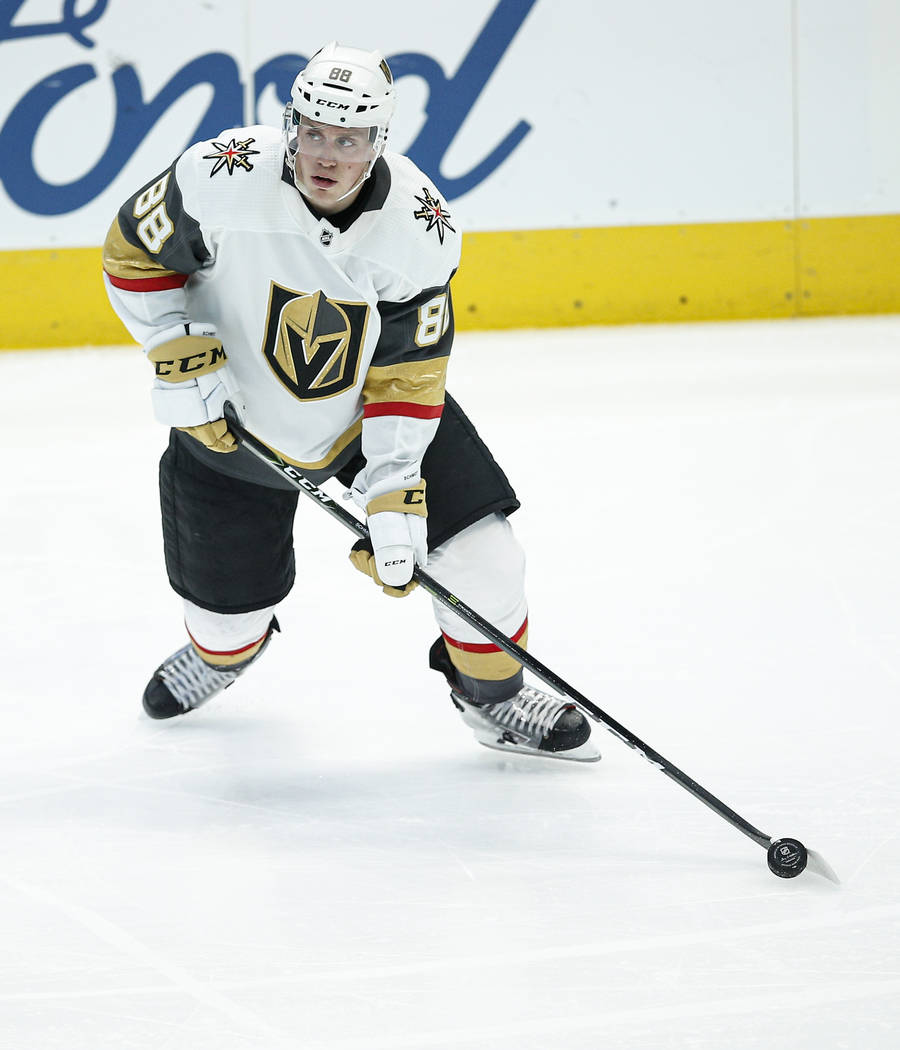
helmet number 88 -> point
(434, 320)
(339, 74)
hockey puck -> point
(787, 858)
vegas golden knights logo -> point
(313, 343)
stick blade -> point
(818, 864)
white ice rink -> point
(323, 859)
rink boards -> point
(555, 278)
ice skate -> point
(530, 723)
(184, 682)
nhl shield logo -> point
(313, 343)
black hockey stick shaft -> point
(299, 481)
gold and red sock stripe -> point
(484, 660)
(227, 657)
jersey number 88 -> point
(155, 226)
(434, 320)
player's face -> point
(330, 162)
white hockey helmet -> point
(343, 87)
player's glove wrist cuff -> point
(410, 500)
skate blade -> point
(585, 752)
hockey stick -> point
(787, 857)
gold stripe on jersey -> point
(489, 667)
(336, 449)
(122, 259)
(421, 382)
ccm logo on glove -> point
(398, 539)
(193, 381)
(187, 358)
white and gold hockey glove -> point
(192, 383)
(398, 539)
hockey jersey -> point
(333, 326)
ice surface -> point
(324, 859)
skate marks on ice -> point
(120, 942)
(378, 983)
(254, 875)
(381, 816)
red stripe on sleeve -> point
(148, 284)
(403, 408)
(478, 647)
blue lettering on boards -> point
(450, 99)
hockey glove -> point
(398, 540)
(192, 383)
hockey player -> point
(304, 276)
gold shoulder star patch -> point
(231, 156)
(434, 213)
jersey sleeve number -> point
(155, 226)
(434, 320)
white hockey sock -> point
(483, 565)
(226, 639)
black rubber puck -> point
(787, 858)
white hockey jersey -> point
(333, 326)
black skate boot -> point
(184, 681)
(528, 722)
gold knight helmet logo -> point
(313, 343)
